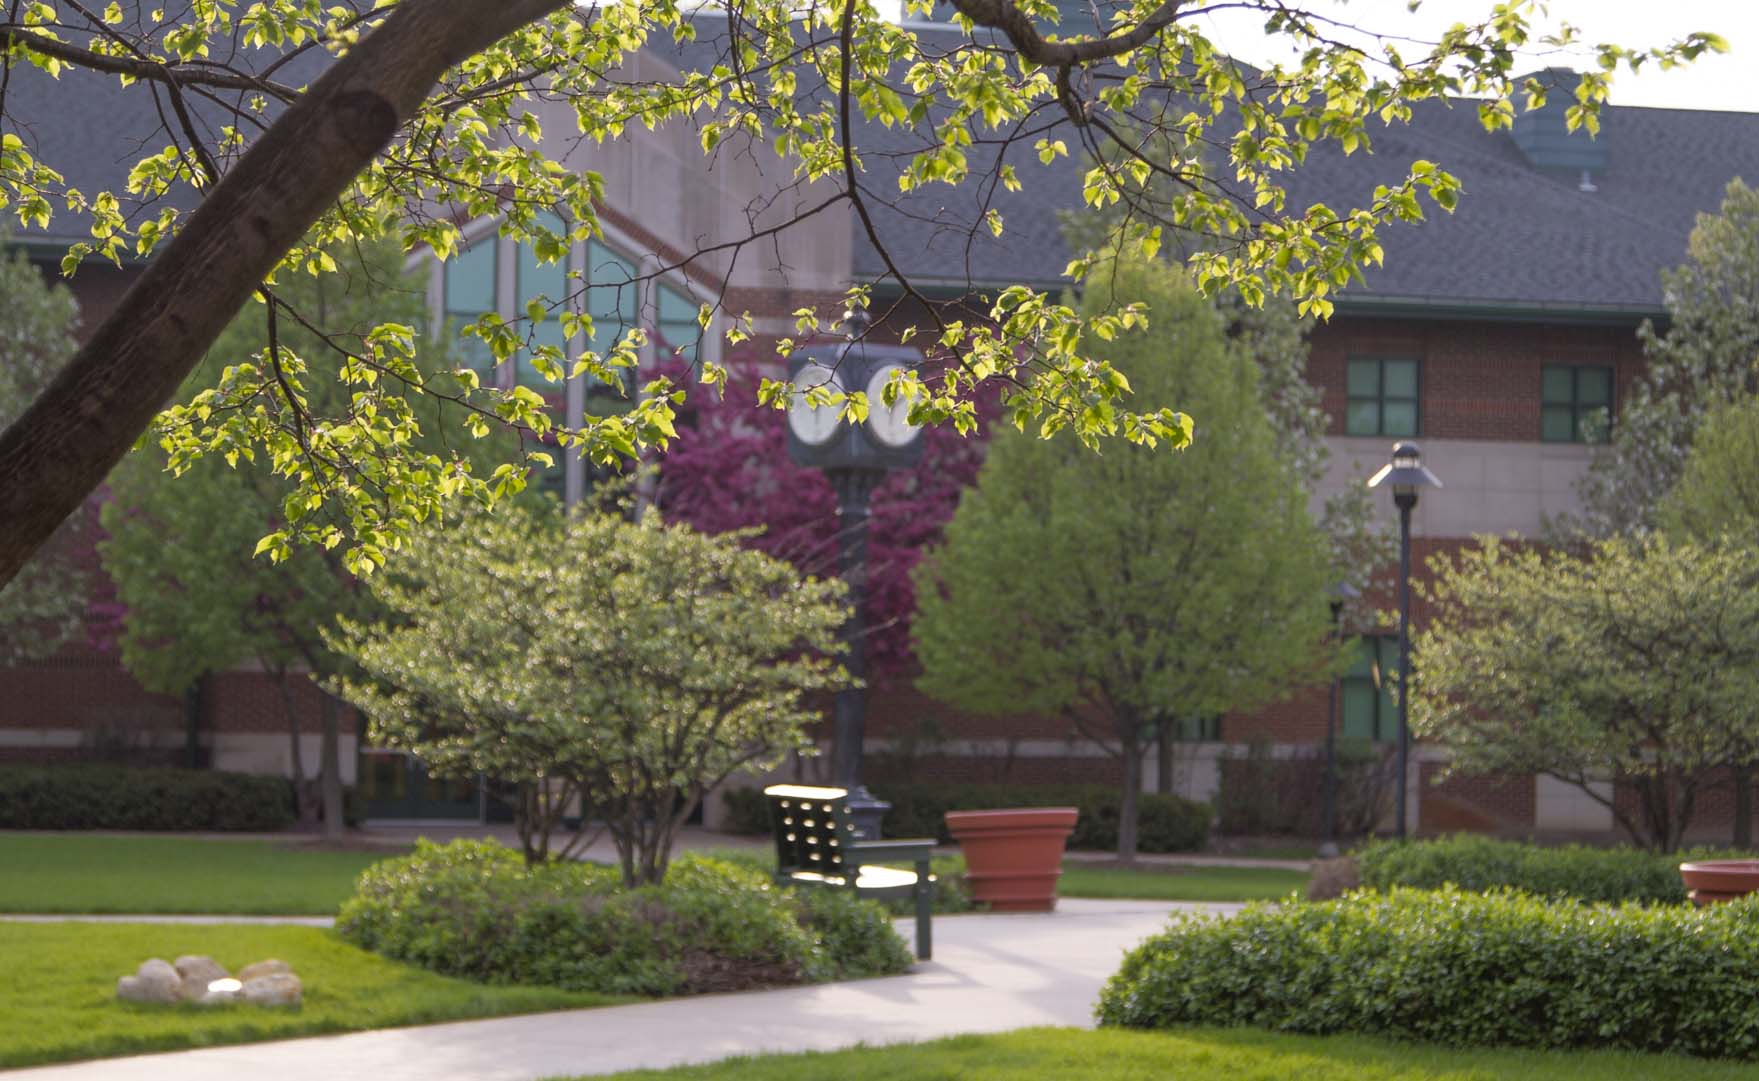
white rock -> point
(222, 992)
(271, 967)
(198, 972)
(275, 989)
(155, 981)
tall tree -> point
(1634, 663)
(180, 548)
(426, 104)
(1707, 357)
(41, 608)
(1124, 588)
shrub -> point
(748, 812)
(1168, 823)
(1576, 872)
(474, 909)
(104, 797)
(1458, 968)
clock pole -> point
(854, 489)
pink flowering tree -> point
(729, 469)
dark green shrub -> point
(748, 812)
(1576, 872)
(1168, 823)
(474, 909)
(106, 797)
(1459, 968)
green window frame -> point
(1383, 396)
(469, 294)
(1575, 403)
(1198, 729)
(1368, 693)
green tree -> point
(1706, 359)
(634, 666)
(1634, 662)
(42, 607)
(1717, 493)
(180, 547)
(427, 104)
(1126, 588)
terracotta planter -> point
(1013, 858)
(1711, 882)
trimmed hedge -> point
(1459, 968)
(473, 909)
(1606, 875)
(1168, 823)
(103, 797)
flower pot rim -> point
(1013, 812)
(1721, 867)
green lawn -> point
(151, 875)
(59, 1001)
(1180, 884)
(1194, 1055)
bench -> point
(816, 845)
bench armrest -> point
(914, 850)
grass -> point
(1180, 883)
(154, 875)
(59, 1001)
(1194, 1055)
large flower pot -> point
(1013, 858)
(1714, 881)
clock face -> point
(814, 425)
(888, 423)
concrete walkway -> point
(991, 973)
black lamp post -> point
(1341, 594)
(1405, 474)
(855, 457)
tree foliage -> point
(1717, 494)
(1126, 588)
(422, 118)
(41, 609)
(633, 666)
(1707, 357)
(1635, 662)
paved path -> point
(991, 973)
(73, 917)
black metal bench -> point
(816, 845)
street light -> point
(1341, 594)
(855, 457)
(1405, 474)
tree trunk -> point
(1742, 774)
(302, 806)
(1129, 806)
(66, 443)
(335, 820)
(192, 720)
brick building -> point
(1492, 335)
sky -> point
(1712, 82)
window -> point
(470, 293)
(613, 299)
(678, 329)
(1575, 403)
(546, 283)
(1382, 397)
(1369, 695)
(1198, 729)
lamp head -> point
(1405, 474)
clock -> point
(814, 425)
(889, 425)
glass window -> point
(1369, 692)
(546, 283)
(614, 297)
(678, 329)
(1198, 729)
(1383, 395)
(470, 293)
(1575, 403)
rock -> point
(271, 967)
(275, 989)
(154, 981)
(1333, 878)
(198, 972)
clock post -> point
(855, 458)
